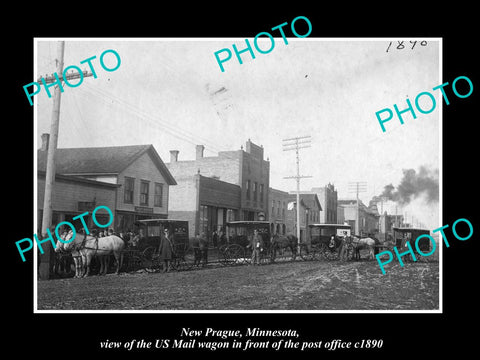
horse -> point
(89, 246)
(365, 243)
(77, 257)
(62, 264)
(282, 242)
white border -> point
(440, 243)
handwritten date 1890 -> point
(402, 46)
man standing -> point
(166, 250)
(257, 247)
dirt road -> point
(287, 286)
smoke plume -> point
(413, 184)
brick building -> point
(278, 211)
(206, 203)
(246, 169)
(132, 181)
(328, 197)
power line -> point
(157, 122)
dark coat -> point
(165, 249)
(256, 239)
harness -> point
(83, 245)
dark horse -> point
(282, 242)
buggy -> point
(320, 240)
(145, 253)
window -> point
(273, 207)
(231, 215)
(128, 192)
(247, 189)
(255, 189)
(261, 193)
(158, 195)
(144, 185)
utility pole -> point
(52, 147)
(357, 187)
(290, 144)
(383, 219)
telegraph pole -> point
(357, 187)
(297, 143)
(52, 147)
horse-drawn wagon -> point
(145, 253)
(236, 248)
(326, 241)
(402, 235)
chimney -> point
(200, 149)
(45, 139)
(174, 156)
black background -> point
(404, 334)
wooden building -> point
(131, 180)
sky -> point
(171, 93)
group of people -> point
(200, 248)
(102, 233)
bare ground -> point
(300, 285)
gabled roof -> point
(101, 160)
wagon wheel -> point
(315, 252)
(185, 260)
(323, 251)
(132, 261)
(307, 254)
(234, 254)
(327, 253)
(222, 258)
(150, 259)
(287, 253)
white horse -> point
(76, 255)
(365, 243)
(90, 246)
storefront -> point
(126, 220)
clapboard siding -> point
(142, 168)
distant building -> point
(278, 211)
(340, 214)
(327, 195)
(386, 224)
(389, 211)
(368, 218)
